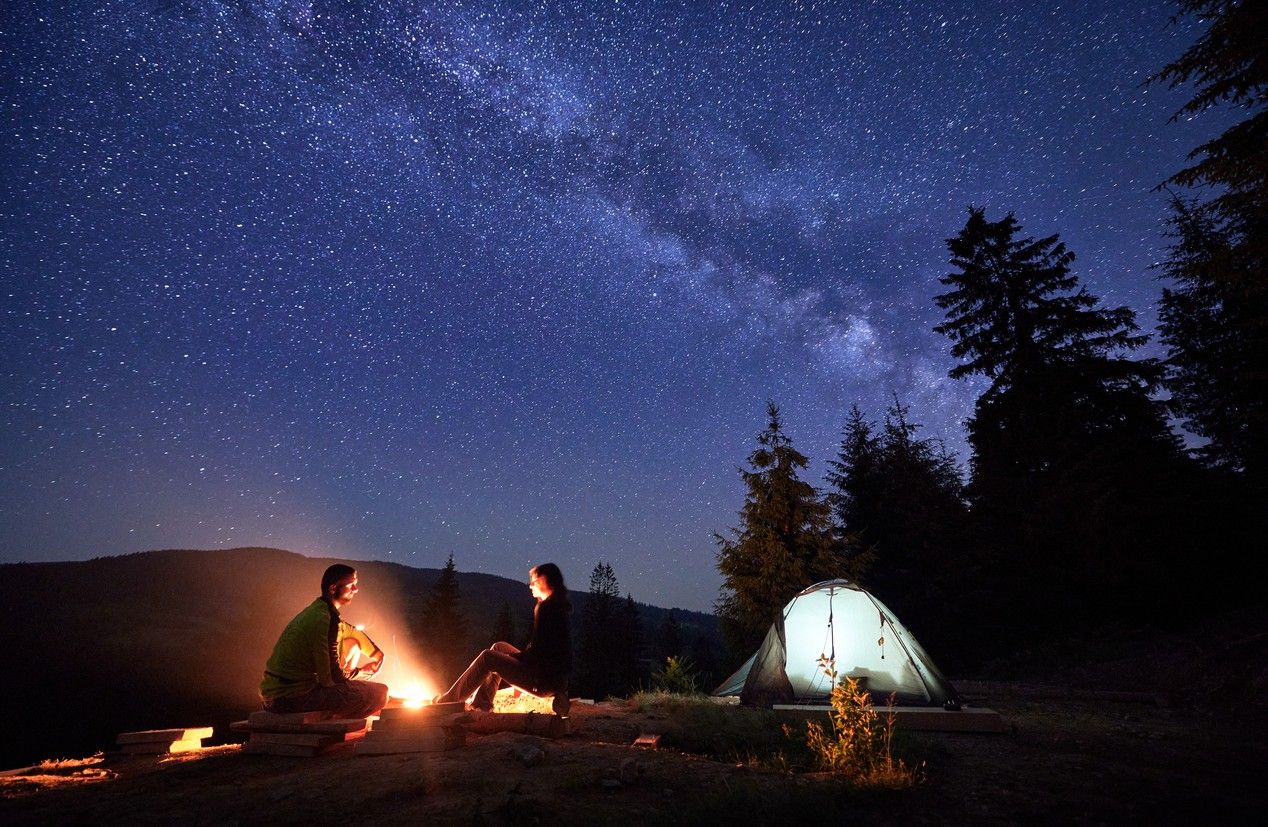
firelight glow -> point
(413, 695)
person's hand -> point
(373, 665)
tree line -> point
(1082, 505)
(615, 652)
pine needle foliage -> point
(785, 541)
(1228, 65)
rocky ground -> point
(1065, 760)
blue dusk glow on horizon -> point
(514, 281)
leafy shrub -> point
(860, 744)
(678, 676)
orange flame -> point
(413, 694)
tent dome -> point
(838, 624)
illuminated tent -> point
(837, 622)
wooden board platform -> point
(406, 725)
(161, 747)
(432, 739)
(299, 734)
(329, 725)
(168, 735)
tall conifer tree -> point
(785, 540)
(629, 646)
(1230, 259)
(504, 627)
(1207, 356)
(903, 496)
(443, 628)
(1060, 376)
(595, 674)
(854, 481)
(1073, 463)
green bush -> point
(678, 676)
(860, 744)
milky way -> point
(514, 281)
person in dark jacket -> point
(304, 674)
(542, 667)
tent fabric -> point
(839, 623)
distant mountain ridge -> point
(179, 637)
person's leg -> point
(485, 671)
(353, 699)
(490, 685)
(361, 699)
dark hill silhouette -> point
(179, 637)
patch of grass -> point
(694, 723)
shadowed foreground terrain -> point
(1064, 761)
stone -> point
(527, 754)
(647, 740)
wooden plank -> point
(435, 740)
(168, 735)
(296, 739)
(413, 725)
(531, 723)
(161, 747)
(265, 718)
(332, 726)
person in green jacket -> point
(304, 673)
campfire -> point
(411, 694)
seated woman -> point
(542, 668)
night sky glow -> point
(390, 280)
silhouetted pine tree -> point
(1221, 257)
(443, 629)
(854, 481)
(785, 541)
(1207, 357)
(669, 642)
(1073, 467)
(504, 627)
(904, 497)
(594, 671)
(628, 649)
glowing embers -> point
(412, 695)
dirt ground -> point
(1065, 761)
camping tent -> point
(837, 622)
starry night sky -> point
(514, 281)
